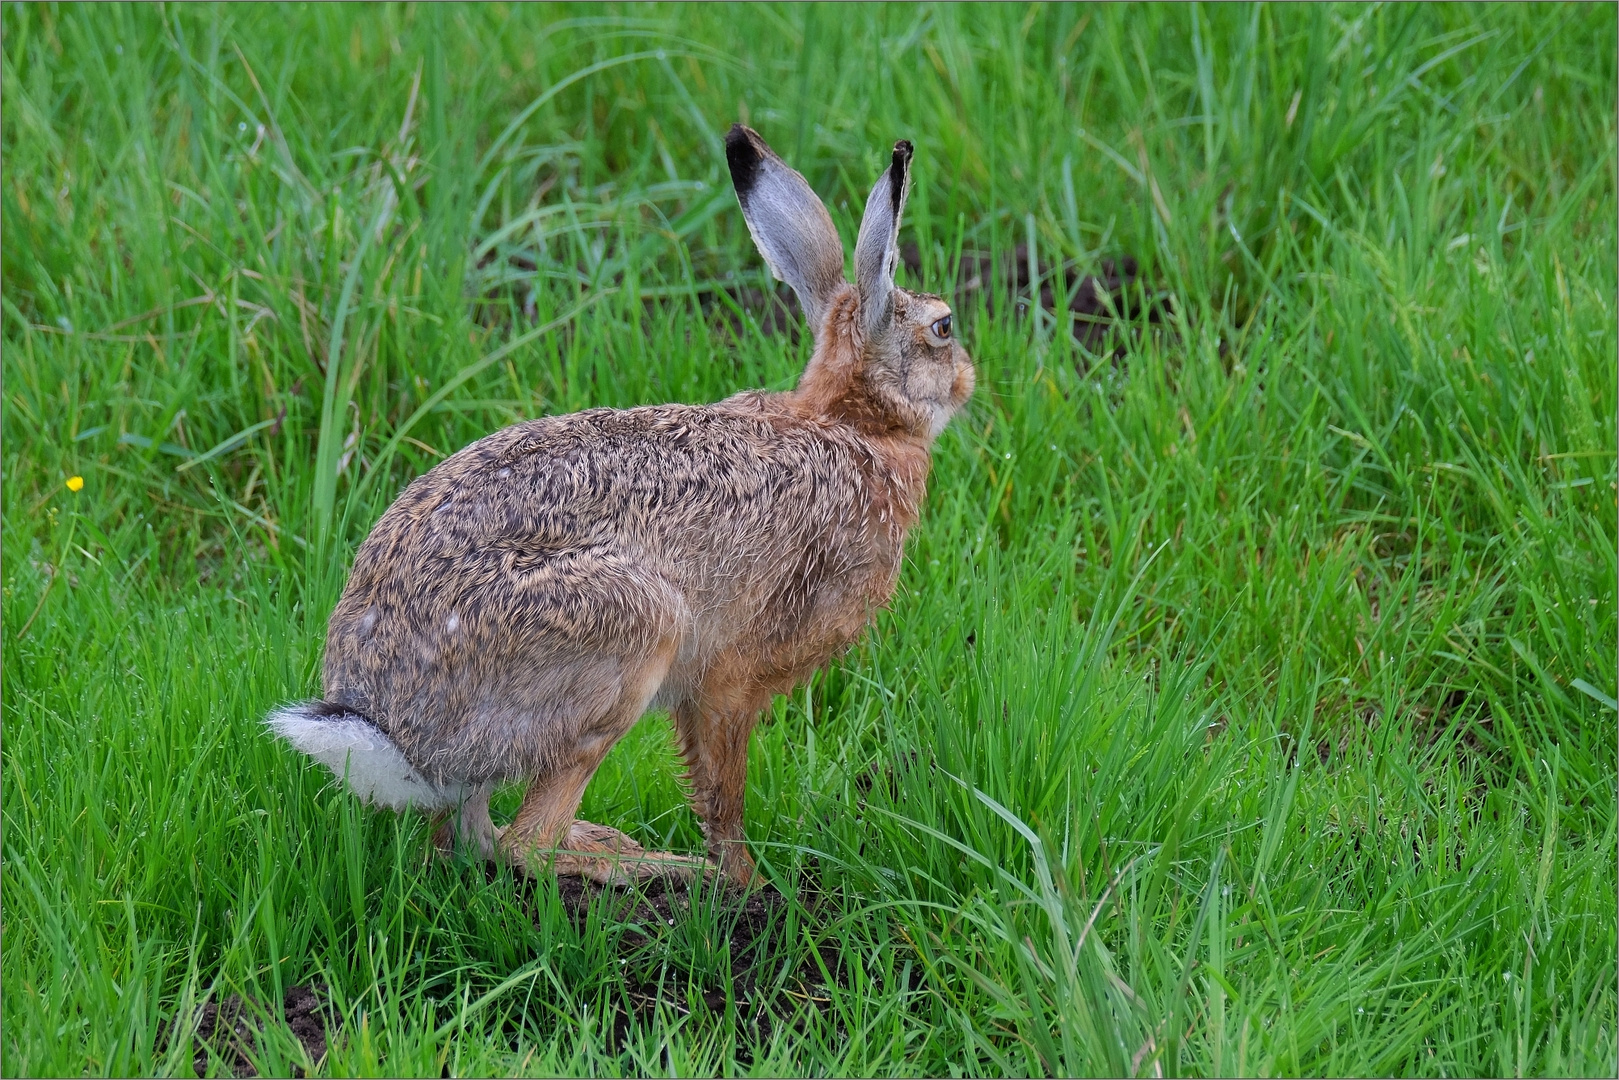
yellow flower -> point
(75, 483)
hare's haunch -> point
(525, 601)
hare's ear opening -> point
(789, 224)
(876, 252)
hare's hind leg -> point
(545, 834)
(469, 827)
(545, 819)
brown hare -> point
(525, 601)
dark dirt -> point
(228, 1031)
(758, 993)
(753, 988)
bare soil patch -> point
(229, 1030)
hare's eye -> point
(941, 329)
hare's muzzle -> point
(966, 379)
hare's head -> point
(883, 355)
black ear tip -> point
(899, 172)
(743, 156)
(902, 158)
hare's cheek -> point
(929, 381)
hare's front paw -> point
(736, 864)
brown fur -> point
(523, 603)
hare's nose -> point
(962, 388)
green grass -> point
(1246, 704)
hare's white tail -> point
(358, 751)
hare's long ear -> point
(876, 253)
(790, 226)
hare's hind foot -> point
(468, 828)
(447, 840)
(606, 856)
